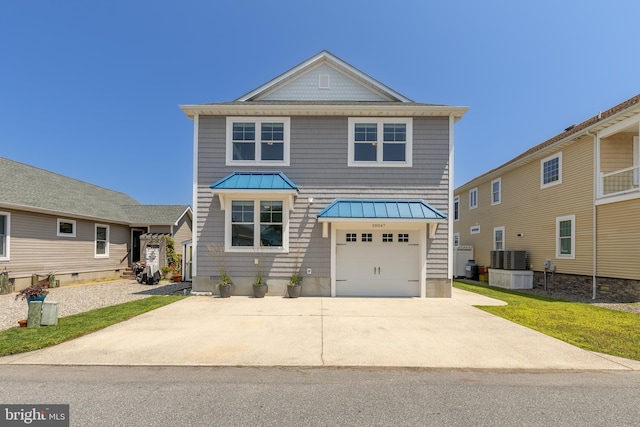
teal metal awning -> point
(255, 181)
(416, 210)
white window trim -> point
(542, 162)
(504, 238)
(379, 163)
(456, 208)
(258, 121)
(256, 198)
(7, 254)
(571, 218)
(499, 181)
(475, 192)
(456, 239)
(70, 221)
(95, 241)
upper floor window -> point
(380, 142)
(473, 198)
(66, 228)
(102, 241)
(565, 237)
(496, 191)
(456, 208)
(551, 171)
(252, 140)
(4, 235)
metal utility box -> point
(49, 313)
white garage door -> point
(376, 263)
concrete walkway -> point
(276, 331)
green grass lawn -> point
(20, 340)
(587, 326)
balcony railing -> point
(619, 182)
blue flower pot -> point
(40, 298)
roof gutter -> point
(60, 213)
(323, 110)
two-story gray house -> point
(326, 172)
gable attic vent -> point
(323, 81)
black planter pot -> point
(294, 291)
(225, 291)
(259, 291)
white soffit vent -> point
(323, 81)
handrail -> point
(126, 256)
(604, 175)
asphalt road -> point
(203, 396)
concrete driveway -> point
(275, 331)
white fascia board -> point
(400, 110)
(332, 59)
(64, 214)
(390, 220)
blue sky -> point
(90, 89)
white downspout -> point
(596, 168)
(450, 210)
(194, 200)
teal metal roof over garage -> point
(381, 209)
(255, 181)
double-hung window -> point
(566, 237)
(473, 198)
(496, 191)
(4, 235)
(380, 142)
(456, 208)
(255, 141)
(102, 241)
(498, 239)
(257, 223)
(551, 170)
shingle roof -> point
(381, 209)
(154, 214)
(255, 181)
(30, 188)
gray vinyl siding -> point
(318, 166)
(36, 248)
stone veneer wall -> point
(607, 288)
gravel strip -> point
(79, 298)
(630, 307)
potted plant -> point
(224, 287)
(166, 272)
(176, 272)
(293, 287)
(259, 287)
(225, 284)
(35, 292)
